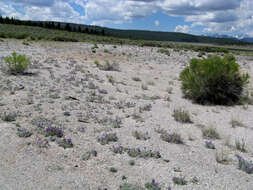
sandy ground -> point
(68, 90)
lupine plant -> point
(245, 165)
(153, 185)
(53, 131)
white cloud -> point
(8, 10)
(157, 23)
(117, 11)
(214, 15)
(182, 29)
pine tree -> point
(1, 19)
(79, 29)
(103, 32)
(59, 26)
(67, 27)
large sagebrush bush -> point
(213, 80)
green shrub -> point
(213, 80)
(182, 116)
(164, 51)
(210, 133)
(2, 35)
(21, 36)
(17, 64)
(22, 132)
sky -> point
(229, 17)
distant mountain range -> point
(241, 37)
(249, 40)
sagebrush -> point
(214, 80)
(17, 63)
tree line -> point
(53, 25)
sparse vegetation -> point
(169, 90)
(144, 87)
(179, 180)
(107, 66)
(9, 117)
(210, 145)
(164, 51)
(146, 107)
(142, 153)
(236, 123)
(222, 156)
(108, 137)
(113, 170)
(240, 145)
(210, 133)
(128, 186)
(172, 138)
(22, 132)
(118, 149)
(42, 142)
(53, 131)
(182, 116)
(137, 79)
(87, 155)
(153, 185)
(141, 136)
(66, 143)
(131, 162)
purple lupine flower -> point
(69, 141)
(83, 129)
(39, 124)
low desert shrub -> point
(240, 145)
(22, 132)
(182, 116)
(141, 136)
(236, 123)
(164, 51)
(53, 131)
(222, 156)
(107, 66)
(210, 145)
(152, 185)
(17, 63)
(9, 117)
(211, 133)
(143, 153)
(172, 138)
(106, 138)
(113, 170)
(179, 180)
(87, 155)
(131, 162)
(213, 80)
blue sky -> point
(231, 17)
